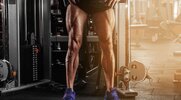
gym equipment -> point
(7, 75)
(7, 71)
(126, 71)
(58, 26)
(32, 69)
(26, 43)
(134, 72)
(91, 30)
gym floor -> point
(156, 56)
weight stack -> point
(31, 64)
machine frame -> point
(13, 9)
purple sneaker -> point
(112, 95)
(69, 95)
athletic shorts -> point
(91, 6)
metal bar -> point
(128, 34)
(25, 86)
(3, 27)
(35, 19)
(40, 20)
(122, 45)
(25, 15)
(92, 39)
(121, 35)
(93, 69)
(45, 36)
(62, 38)
(18, 41)
(65, 38)
(14, 30)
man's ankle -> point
(110, 89)
(70, 89)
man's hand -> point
(122, 1)
(111, 3)
(72, 1)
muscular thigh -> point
(75, 19)
(104, 24)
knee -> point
(107, 46)
(75, 44)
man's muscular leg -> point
(75, 19)
(104, 25)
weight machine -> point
(127, 71)
(26, 39)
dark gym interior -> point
(34, 42)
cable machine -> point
(27, 42)
(127, 71)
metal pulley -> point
(7, 71)
(134, 72)
(137, 71)
(3, 71)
